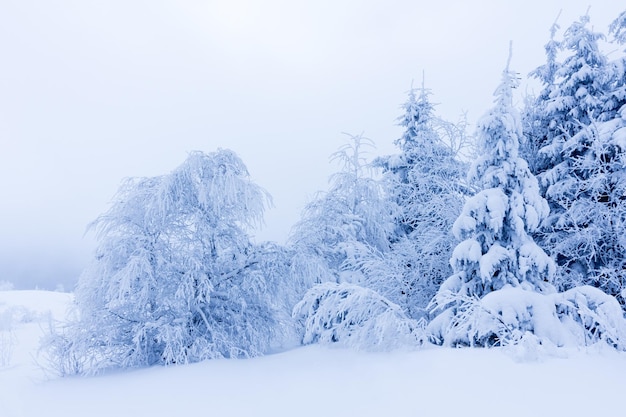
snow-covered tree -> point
(615, 98)
(341, 234)
(587, 238)
(426, 182)
(350, 221)
(576, 124)
(426, 168)
(175, 278)
(534, 121)
(496, 249)
(572, 93)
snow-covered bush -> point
(497, 319)
(7, 345)
(284, 288)
(592, 316)
(175, 278)
(7, 338)
(354, 316)
(10, 317)
(581, 316)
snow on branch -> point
(355, 316)
(582, 316)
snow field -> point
(316, 380)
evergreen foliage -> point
(581, 316)
(575, 124)
(426, 182)
(496, 249)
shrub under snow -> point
(578, 317)
(355, 316)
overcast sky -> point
(95, 91)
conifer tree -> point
(496, 250)
(571, 97)
(534, 121)
(580, 162)
(426, 182)
(616, 96)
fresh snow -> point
(313, 380)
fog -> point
(92, 92)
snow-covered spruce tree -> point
(594, 218)
(426, 166)
(572, 95)
(535, 122)
(580, 163)
(350, 221)
(496, 249)
(615, 98)
(175, 278)
(427, 183)
(618, 28)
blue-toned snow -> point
(310, 381)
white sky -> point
(92, 92)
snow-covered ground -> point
(309, 381)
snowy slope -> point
(314, 381)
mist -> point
(91, 93)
